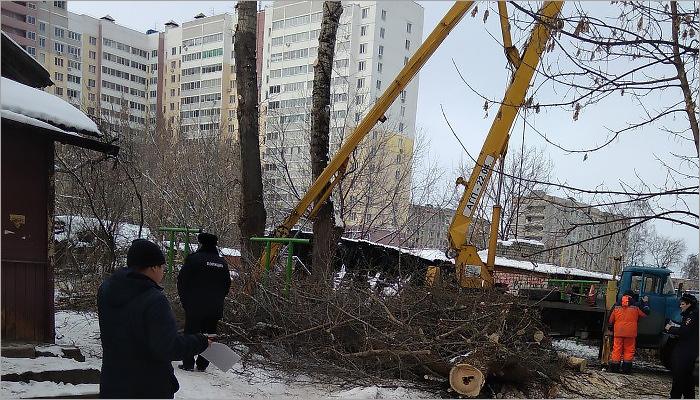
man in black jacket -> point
(685, 351)
(138, 330)
(203, 283)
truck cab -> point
(656, 283)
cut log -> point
(466, 380)
(572, 362)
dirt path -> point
(643, 383)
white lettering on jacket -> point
(213, 264)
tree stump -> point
(466, 380)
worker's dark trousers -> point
(196, 324)
(682, 370)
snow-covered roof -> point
(39, 105)
(510, 242)
(544, 268)
(33, 121)
(124, 234)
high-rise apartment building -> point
(182, 79)
(556, 222)
(374, 41)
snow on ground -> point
(14, 390)
(574, 348)
(79, 329)
(82, 330)
(42, 364)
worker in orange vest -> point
(623, 323)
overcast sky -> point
(474, 47)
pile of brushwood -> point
(356, 334)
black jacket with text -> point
(203, 283)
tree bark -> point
(325, 232)
(251, 220)
(683, 77)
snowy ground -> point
(82, 330)
(575, 348)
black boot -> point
(626, 367)
(614, 366)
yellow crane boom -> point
(470, 268)
(323, 186)
(471, 271)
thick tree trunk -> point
(325, 232)
(683, 77)
(252, 217)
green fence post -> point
(187, 241)
(268, 249)
(171, 252)
(290, 254)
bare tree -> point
(326, 234)
(690, 267)
(252, 216)
(666, 252)
(646, 55)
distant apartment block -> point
(557, 221)
(374, 41)
(181, 79)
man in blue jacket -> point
(202, 284)
(138, 330)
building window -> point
(361, 66)
(379, 84)
(359, 99)
(380, 66)
(58, 47)
(92, 55)
(91, 83)
(363, 30)
(58, 76)
(381, 33)
(405, 60)
(363, 48)
(93, 40)
(408, 44)
(400, 126)
(60, 4)
(361, 83)
(173, 51)
(32, 51)
(31, 19)
(172, 78)
(74, 36)
(365, 13)
(403, 111)
(403, 96)
(31, 35)
(42, 26)
(408, 27)
(58, 61)
(384, 15)
(42, 42)
(31, 6)
(58, 32)
(381, 51)
(58, 91)
(358, 117)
